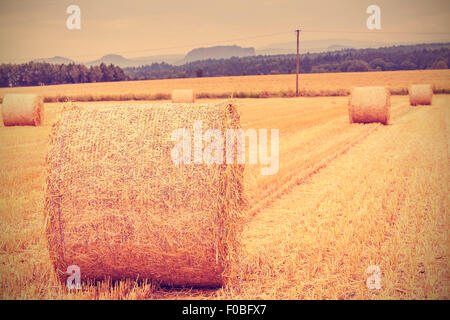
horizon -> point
(29, 28)
(256, 53)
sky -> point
(31, 29)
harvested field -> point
(345, 197)
(337, 84)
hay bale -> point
(183, 96)
(420, 94)
(369, 104)
(22, 110)
(118, 207)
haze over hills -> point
(174, 59)
(217, 52)
(318, 46)
(118, 60)
(55, 60)
(123, 62)
(225, 52)
(315, 46)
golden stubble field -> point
(345, 197)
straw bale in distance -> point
(118, 207)
(420, 94)
(22, 110)
(183, 96)
(369, 104)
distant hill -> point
(315, 46)
(55, 60)
(218, 52)
(119, 60)
(335, 47)
(123, 62)
(115, 59)
(327, 45)
(226, 52)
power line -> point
(374, 32)
(298, 61)
(264, 36)
(205, 44)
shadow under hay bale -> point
(183, 96)
(420, 94)
(369, 104)
(118, 207)
(22, 110)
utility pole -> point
(298, 60)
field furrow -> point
(305, 147)
(318, 240)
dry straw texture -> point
(369, 104)
(22, 110)
(118, 207)
(183, 96)
(420, 94)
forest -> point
(417, 57)
(42, 73)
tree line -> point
(42, 73)
(414, 57)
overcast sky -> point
(37, 28)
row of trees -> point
(41, 73)
(384, 59)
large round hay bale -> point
(183, 96)
(369, 104)
(420, 94)
(22, 110)
(119, 207)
